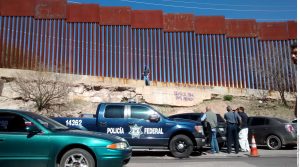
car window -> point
(47, 123)
(267, 121)
(194, 117)
(12, 123)
(184, 116)
(220, 119)
(140, 112)
(176, 116)
(257, 121)
(114, 111)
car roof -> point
(18, 111)
(192, 113)
(261, 117)
(267, 117)
(15, 111)
(123, 103)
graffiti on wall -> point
(184, 96)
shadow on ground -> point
(162, 153)
(205, 151)
(151, 153)
(283, 148)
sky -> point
(261, 10)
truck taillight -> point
(289, 128)
(199, 129)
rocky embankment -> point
(81, 98)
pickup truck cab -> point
(143, 127)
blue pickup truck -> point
(143, 127)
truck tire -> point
(77, 157)
(181, 146)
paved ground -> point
(215, 162)
(267, 158)
(262, 152)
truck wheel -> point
(77, 157)
(181, 146)
(273, 142)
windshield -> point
(47, 122)
(156, 109)
(282, 120)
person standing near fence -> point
(146, 74)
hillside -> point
(252, 106)
(87, 92)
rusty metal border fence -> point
(117, 42)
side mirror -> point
(154, 118)
(32, 129)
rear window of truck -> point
(114, 111)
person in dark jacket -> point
(232, 130)
(146, 75)
(243, 134)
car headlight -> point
(118, 146)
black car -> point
(272, 132)
(221, 128)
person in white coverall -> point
(243, 134)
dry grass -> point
(253, 107)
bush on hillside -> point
(228, 97)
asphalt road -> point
(267, 158)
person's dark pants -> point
(232, 138)
(147, 82)
(209, 137)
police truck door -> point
(113, 120)
(144, 132)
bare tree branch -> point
(43, 88)
(271, 67)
